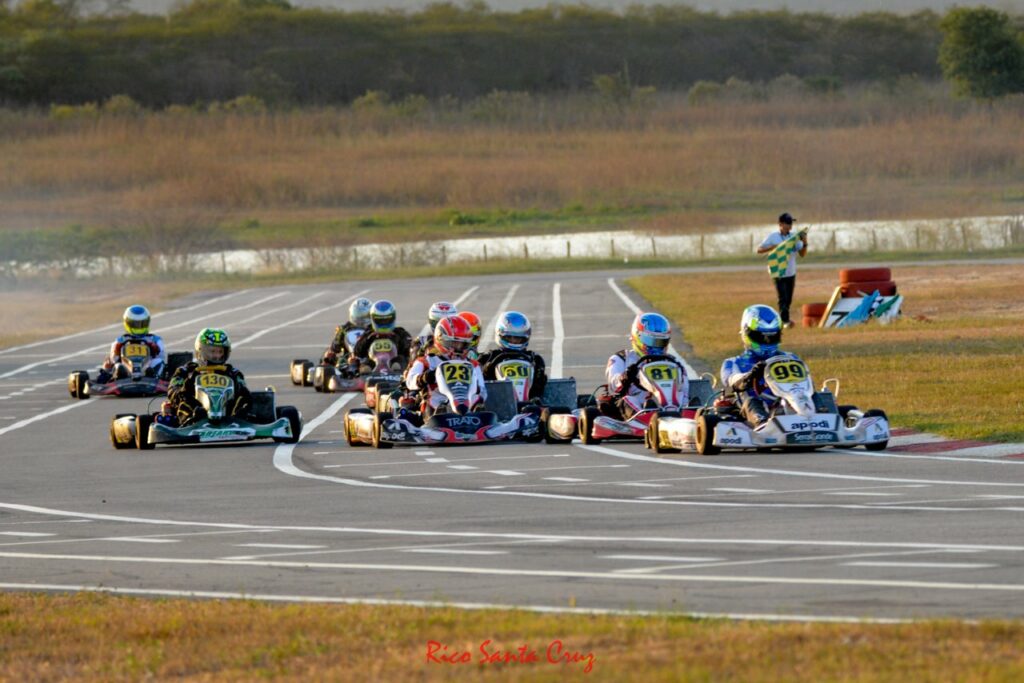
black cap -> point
(786, 218)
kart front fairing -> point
(129, 387)
(205, 431)
(451, 428)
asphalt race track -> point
(833, 534)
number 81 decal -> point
(786, 372)
(660, 373)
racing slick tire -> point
(348, 427)
(78, 381)
(142, 425)
(851, 275)
(879, 445)
(814, 310)
(706, 434)
(113, 440)
(294, 419)
(651, 439)
(304, 378)
(297, 370)
(378, 421)
(854, 289)
(545, 416)
(586, 425)
(320, 379)
(844, 411)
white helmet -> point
(359, 312)
(440, 310)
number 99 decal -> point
(788, 372)
(457, 373)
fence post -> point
(654, 247)
(401, 256)
(874, 241)
(612, 243)
(751, 243)
(485, 252)
(526, 251)
(917, 237)
(355, 259)
(444, 254)
(702, 245)
(568, 249)
(963, 231)
(832, 243)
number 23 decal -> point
(457, 373)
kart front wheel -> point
(349, 437)
(78, 381)
(142, 425)
(652, 438)
(545, 417)
(586, 425)
(706, 435)
(878, 445)
(119, 445)
(378, 422)
(294, 420)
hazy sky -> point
(725, 6)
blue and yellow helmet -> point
(761, 330)
(650, 334)
(136, 320)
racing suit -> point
(489, 361)
(156, 350)
(181, 393)
(420, 345)
(361, 352)
(420, 377)
(742, 376)
(624, 398)
(339, 343)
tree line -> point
(216, 50)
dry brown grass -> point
(101, 638)
(718, 163)
(951, 365)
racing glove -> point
(632, 372)
(426, 379)
(747, 380)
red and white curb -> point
(913, 442)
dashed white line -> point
(661, 558)
(507, 473)
(25, 534)
(732, 490)
(557, 341)
(462, 467)
(860, 493)
(436, 460)
(443, 551)
(138, 539)
(571, 480)
(643, 484)
(424, 452)
(922, 565)
(285, 546)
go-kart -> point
(326, 377)
(671, 394)
(559, 394)
(800, 418)
(461, 418)
(214, 393)
(132, 376)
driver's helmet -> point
(382, 316)
(359, 312)
(453, 337)
(212, 347)
(650, 334)
(439, 310)
(136, 320)
(512, 331)
(474, 325)
(761, 330)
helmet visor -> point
(383, 323)
(457, 346)
(765, 337)
(515, 339)
(213, 354)
(654, 343)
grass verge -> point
(950, 366)
(91, 637)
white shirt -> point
(777, 238)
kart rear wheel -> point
(878, 445)
(378, 422)
(294, 420)
(307, 367)
(653, 440)
(142, 425)
(113, 439)
(353, 443)
(586, 425)
(706, 434)
(545, 417)
(78, 382)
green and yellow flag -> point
(778, 258)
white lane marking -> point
(435, 459)
(661, 558)
(317, 312)
(422, 452)
(282, 546)
(116, 326)
(333, 599)
(571, 480)
(637, 311)
(1016, 448)
(42, 416)
(861, 493)
(443, 551)
(544, 573)
(462, 467)
(558, 340)
(922, 565)
(25, 534)
(74, 354)
(642, 484)
(731, 490)
(995, 496)
(507, 473)
(47, 521)
(487, 331)
(377, 549)
(418, 462)
(383, 531)
(792, 473)
(137, 539)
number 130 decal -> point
(788, 372)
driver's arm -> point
(240, 386)
(412, 376)
(177, 390)
(615, 372)
(161, 350)
(478, 377)
(359, 351)
(540, 376)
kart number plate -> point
(514, 370)
(134, 350)
(212, 380)
(383, 346)
(788, 371)
(461, 372)
(661, 373)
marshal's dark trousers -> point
(785, 286)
